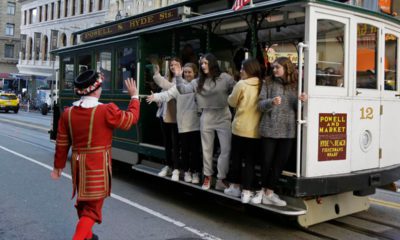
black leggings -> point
(171, 144)
(276, 153)
(243, 157)
(191, 151)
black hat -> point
(87, 82)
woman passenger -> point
(167, 114)
(188, 122)
(278, 104)
(212, 90)
(245, 136)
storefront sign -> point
(131, 25)
(332, 138)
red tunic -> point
(89, 132)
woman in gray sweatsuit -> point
(212, 90)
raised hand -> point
(156, 68)
(130, 84)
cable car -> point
(347, 58)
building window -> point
(73, 8)
(11, 8)
(100, 5)
(25, 16)
(10, 29)
(59, 9)
(46, 9)
(32, 15)
(66, 8)
(81, 6)
(52, 11)
(9, 51)
(40, 13)
(90, 5)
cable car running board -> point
(288, 210)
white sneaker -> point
(246, 196)
(257, 199)
(232, 191)
(206, 182)
(273, 199)
(221, 184)
(175, 175)
(195, 178)
(188, 177)
(164, 171)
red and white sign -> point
(239, 4)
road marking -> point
(24, 124)
(177, 223)
(384, 203)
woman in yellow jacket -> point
(245, 136)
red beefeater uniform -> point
(89, 132)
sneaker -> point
(232, 191)
(206, 183)
(195, 178)
(221, 184)
(188, 177)
(175, 175)
(246, 196)
(273, 199)
(164, 171)
(257, 199)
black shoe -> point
(94, 237)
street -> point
(33, 206)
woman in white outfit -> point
(188, 123)
(167, 114)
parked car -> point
(9, 101)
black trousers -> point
(191, 151)
(276, 153)
(243, 157)
(171, 144)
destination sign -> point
(332, 136)
(131, 25)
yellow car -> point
(9, 101)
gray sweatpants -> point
(218, 120)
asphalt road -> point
(32, 206)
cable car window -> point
(126, 62)
(68, 76)
(367, 36)
(330, 53)
(103, 60)
(85, 63)
(390, 62)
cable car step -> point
(292, 209)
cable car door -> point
(390, 101)
(366, 96)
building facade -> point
(49, 24)
(10, 19)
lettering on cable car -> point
(131, 24)
(332, 136)
(367, 113)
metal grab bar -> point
(300, 121)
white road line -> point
(177, 223)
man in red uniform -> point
(87, 126)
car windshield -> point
(8, 97)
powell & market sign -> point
(130, 25)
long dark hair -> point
(253, 69)
(213, 69)
(290, 78)
(170, 73)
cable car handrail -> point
(300, 121)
